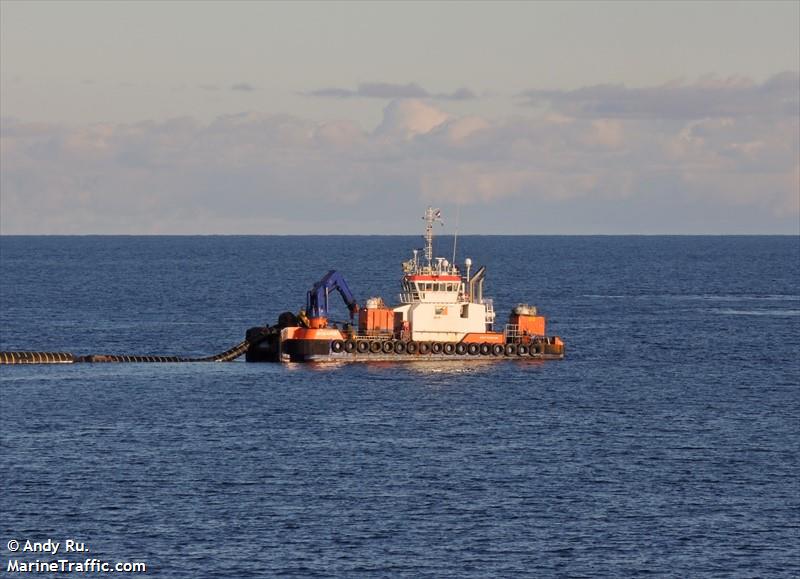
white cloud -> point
(409, 117)
(459, 130)
(606, 133)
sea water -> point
(666, 443)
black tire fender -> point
(337, 346)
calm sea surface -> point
(665, 444)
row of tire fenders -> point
(400, 347)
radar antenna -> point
(431, 216)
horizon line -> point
(795, 234)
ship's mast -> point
(431, 216)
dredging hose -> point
(69, 358)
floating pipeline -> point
(36, 358)
(69, 358)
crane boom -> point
(317, 299)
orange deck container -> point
(528, 325)
(376, 320)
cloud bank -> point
(708, 97)
(595, 161)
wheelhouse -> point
(431, 289)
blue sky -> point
(249, 117)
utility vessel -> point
(442, 315)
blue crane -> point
(317, 302)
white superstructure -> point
(437, 303)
